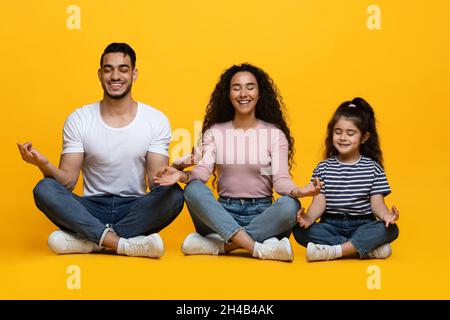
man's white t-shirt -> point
(114, 158)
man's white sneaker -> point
(211, 244)
(317, 252)
(382, 252)
(274, 250)
(62, 242)
(142, 246)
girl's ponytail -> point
(365, 107)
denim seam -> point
(103, 236)
(357, 247)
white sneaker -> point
(211, 244)
(382, 252)
(317, 252)
(142, 246)
(62, 242)
(271, 240)
(274, 250)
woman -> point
(246, 140)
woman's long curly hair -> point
(362, 115)
(269, 108)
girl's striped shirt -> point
(348, 187)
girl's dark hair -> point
(362, 115)
(269, 108)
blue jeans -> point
(366, 234)
(258, 217)
(89, 217)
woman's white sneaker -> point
(211, 244)
(62, 242)
(274, 249)
(142, 246)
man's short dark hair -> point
(120, 47)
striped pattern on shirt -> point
(348, 187)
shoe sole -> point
(291, 253)
(159, 246)
(309, 247)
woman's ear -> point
(365, 137)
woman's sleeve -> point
(282, 181)
(202, 171)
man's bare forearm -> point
(51, 171)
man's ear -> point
(99, 74)
(135, 74)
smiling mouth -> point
(116, 85)
(244, 102)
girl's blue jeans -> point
(366, 234)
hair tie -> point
(351, 105)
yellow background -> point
(319, 53)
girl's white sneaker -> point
(382, 252)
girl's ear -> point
(365, 137)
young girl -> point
(247, 142)
(354, 217)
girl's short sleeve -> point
(380, 183)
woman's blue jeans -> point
(258, 217)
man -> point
(117, 143)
